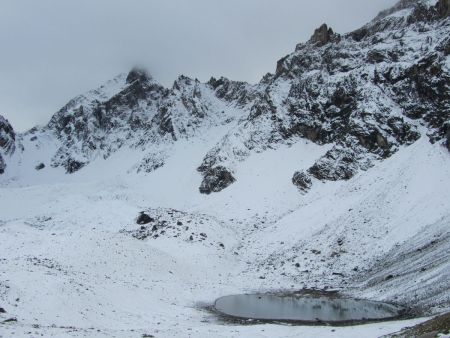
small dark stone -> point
(297, 265)
(388, 277)
(9, 320)
(179, 223)
(338, 274)
(2, 310)
(191, 238)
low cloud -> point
(53, 50)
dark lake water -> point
(304, 308)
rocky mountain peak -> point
(138, 74)
(423, 10)
(322, 36)
(364, 94)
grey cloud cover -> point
(52, 50)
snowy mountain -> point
(365, 93)
(331, 173)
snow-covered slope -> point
(358, 122)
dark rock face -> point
(143, 218)
(443, 8)
(216, 179)
(302, 181)
(137, 74)
(322, 36)
(337, 164)
(7, 142)
(73, 166)
(2, 165)
(97, 123)
(375, 56)
(7, 136)
(233, 91)
(447, 135)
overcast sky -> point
(53, 50)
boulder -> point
(302, 180)
(143, 218)
(216, 179)
(40, 166)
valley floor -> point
(71, 265)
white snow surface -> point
(69, 266)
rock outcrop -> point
(365, 94)
(443, 8)
(7, 142)
(216, 179)
(323, 35)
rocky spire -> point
(322, 36)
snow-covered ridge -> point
(365, 93)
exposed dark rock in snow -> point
(216, 179)
(2, 165)
(323, 35)
(7, 142)
(447, 135)
(40, 166)
(443, 8)
(7, 135)
(143, 218)
(302, 180)
(137, 74)
(73, 165)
